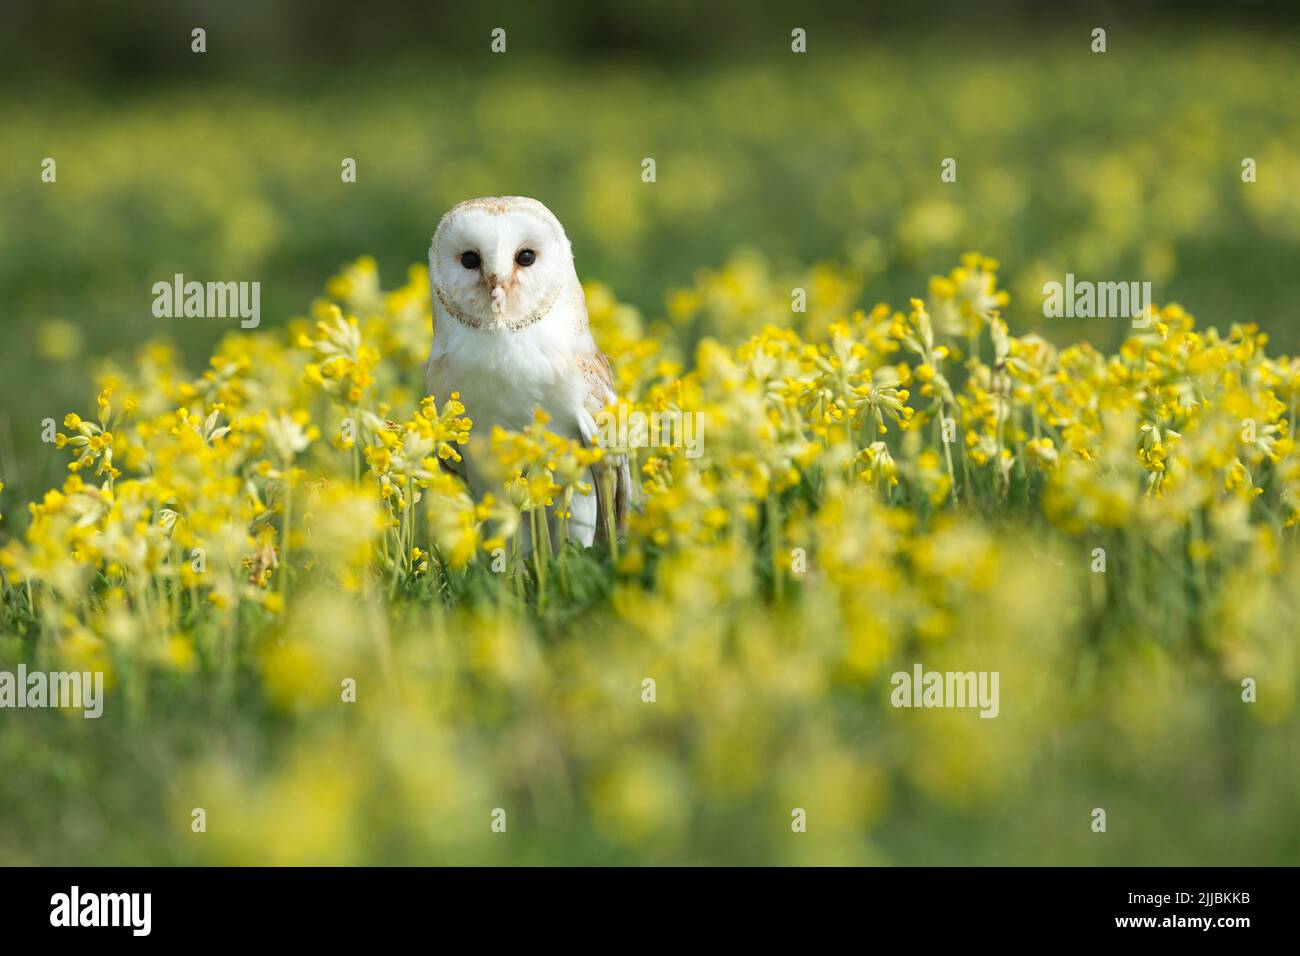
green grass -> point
(1124, 693)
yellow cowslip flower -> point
(874, 483)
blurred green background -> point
(225, 165)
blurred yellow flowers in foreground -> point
(1113, 534)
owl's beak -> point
(497, 289)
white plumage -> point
(511, 335)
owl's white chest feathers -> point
(503, 375)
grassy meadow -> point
(1110, 525)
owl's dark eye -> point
(470, 260)
(526, 257)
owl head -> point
(499, 262)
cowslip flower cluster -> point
(199, 496)
(873, 485)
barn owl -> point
(510, 334)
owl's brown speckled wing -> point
(599, 379)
